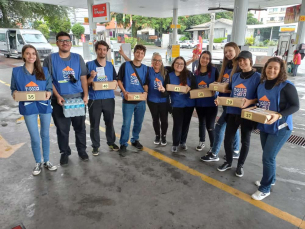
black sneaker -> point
(239, 171)
(163, 140)
(157, 140)
(225, 166)
(235, 155)
(209, 157)
(114, 147)
(137, 144)
(64, 159)
(84, 156)
(95, 152)
(123, 151)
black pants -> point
(246, 126)
(96, 108)
(206, 117)
(182, 118)
(159, 113)
(63, 128)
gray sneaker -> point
(176, 153)
(37, 169)
(48, 165)
(183, 146)
(174, 149)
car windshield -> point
(34, 38)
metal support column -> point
(211, 38)
(175, 30)
(240, 21)
(301, 26)
(92, 25)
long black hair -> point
(210, 65)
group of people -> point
(65, 76)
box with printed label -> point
(30, 96)
(136, 96)
(230, 101)
(201, 93)
(221, 87)
(176, 88)
(257, 114)
(104, 85)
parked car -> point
(186, 44)
(13, 40)
(223, 43)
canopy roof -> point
(164, 8)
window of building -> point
(281, 18)
(271, 19)
(283, 9)
(262, 19)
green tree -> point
(78, 30)
(251, 20)
(36, 24)
(44, 29)
(16, 12)
(59, 24)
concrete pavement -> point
(150, 189)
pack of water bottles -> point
(74, 107)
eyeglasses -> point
(64, 41)
(177, 64)
(155, 60)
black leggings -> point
(159, 113)
(206, 117)
(182, 118)
(246, 127)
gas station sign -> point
(101, 12)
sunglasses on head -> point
(72, 78)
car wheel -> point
(214, 48)
(7, 56)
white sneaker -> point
(37, 169)
(258, 183)
(200, 146)
(259, 195)
(48, 165)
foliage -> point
(249, 41)
(132, 41)
(260, 44)
(59, 24)
(251, 20)
(36, 24)
(219, 40)
(266, 42)
(183, 38)
(226, 15)
(44, 29)
(113, 38)
(78, 30)
(18, 13)
(143, 42)
(273, 43)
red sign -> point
(99, 10)
(292, 14)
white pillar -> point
(240, 21)
(211, 38)
(175, 30)
(195, 35)
(301, 26)
(92, 25)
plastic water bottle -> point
(72, 108)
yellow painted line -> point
(241, 195)
(2, 81)
(7, 84)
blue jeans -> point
(295, 69)
(128, 110)
(271, 145)
(32, 125)
(219, 133)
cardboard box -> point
(176, 88)
(221, 87)
(136, 96)
(104, 85)
(30, 96)
(201, 93)
(230, 102)
(257, 114)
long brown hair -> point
(184, 73)
(225, 60)
(282, 76)
(210, 65)
(38, 72)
